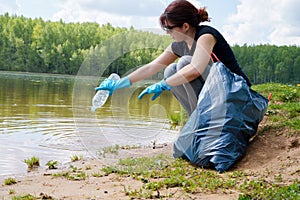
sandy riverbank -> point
(277, 155)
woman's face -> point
(175, 31)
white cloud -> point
(264, 22)
(121, 7)
(254, 22)
(9, 6)
(136, 13)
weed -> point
(281, 92)
(175, 119)
(138, 166)
(60, 174)
(128, 147)
(11, 191)
(88, 167)
(74, 174)
(161, 173)
(32, 162)
(284, 107)
(10, 181)
(109, 150)
(31, 197)
(24, 197)
(52, 164)
(263, 190)
(75, 158)
(178, 119)
(97, 175)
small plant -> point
(162, 173)
(52, 164)
(289, 95)
(88, 167)
(109, 150)
(32, 162)
(97, 174)
(25, 197)
(75, 158)
(175, 119)
(178, 119)
(31, 197)
(128, 147)
(74, 174)
(284, 108)
(11, 191)
(10, 181)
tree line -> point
(270, 63)
(36, 45)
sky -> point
(251, 22)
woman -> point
(227, 113)
(193, 44)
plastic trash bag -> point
(227, 116)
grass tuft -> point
(32, 162)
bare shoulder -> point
(207, 40)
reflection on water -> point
(49, 116)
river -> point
(49, 116)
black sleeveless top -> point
(221, 49)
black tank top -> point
(221, 49)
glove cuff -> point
(165, 86)
(123, 83)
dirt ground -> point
(269, 154)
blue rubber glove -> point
(156, 88)
(112, 85)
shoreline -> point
(123, 152)
(85, 179)
(45, 184)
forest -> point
(36, 45)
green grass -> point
(10, 181)
(73, 173)
(75, 158)
(284, 108)
(161, 173)
(52, 164)
(108, 150)
(24, 197)
(264, 190)
(32, 197)
(32, 162)
(178, 119)
(138, 166)
(280, 92)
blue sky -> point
(240, 21)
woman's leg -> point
(186, 94)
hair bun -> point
(203, 14)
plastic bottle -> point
(102, 95)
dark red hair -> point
(182, 11)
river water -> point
(49, 116)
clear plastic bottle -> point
(102, 95)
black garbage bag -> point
(227, 116)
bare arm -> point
(166, 58)
(198, 64)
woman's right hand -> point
(155, 89)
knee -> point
(170, 70)
(183, 61)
